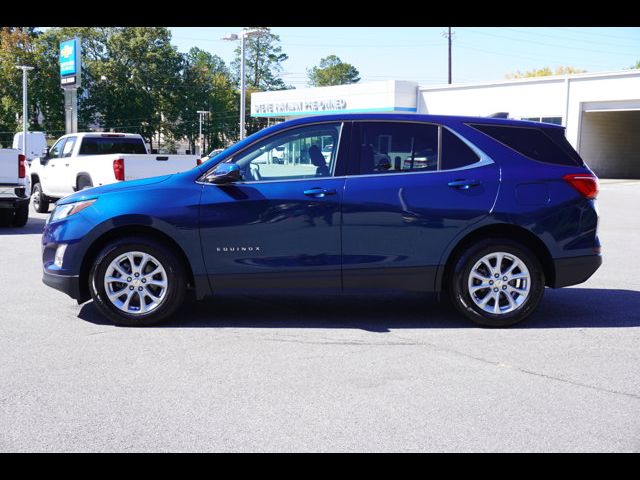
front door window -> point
(300, 153)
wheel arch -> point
(129, 231)
(83, 175)
(503, 230)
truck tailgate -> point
(9, 167)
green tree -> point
(545, 72)
(133, 85)
(332, 71)
(263, 61)
(48, 95)
(263, 66)
(17, 47)
(207, 85)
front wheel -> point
(497, 283)
(137, 282)
(39, 199)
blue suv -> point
(488, 210)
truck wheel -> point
(137, 282)
(21, 215)
(5, 217)
(40, 200)
(497, 282)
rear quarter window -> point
(111, 145)
(547, 145)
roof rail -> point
(499, 115)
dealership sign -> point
(70, 63)
(382, 96)
(306, 106)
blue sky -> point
(480, 54)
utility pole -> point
(200, 139)
(25, 126)
(448, 35)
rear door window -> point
(455, 153)
(399, 147)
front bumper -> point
(574, 270)
(69, 284)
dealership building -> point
(601, 111)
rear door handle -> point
(319, 192)
(463, 184)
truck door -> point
(52, 171)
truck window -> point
(68, 146)
(110, 145)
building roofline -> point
(530, 80)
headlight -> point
(63, 211)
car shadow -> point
(562, 308)
(33, 226)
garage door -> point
(609, 140)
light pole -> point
(243, 36)
(24, 69)
(201, 113)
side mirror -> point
(225, 173)
(45, 154)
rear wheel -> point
(137, 282)
(497, 283)
(21, 215)
(39, 199)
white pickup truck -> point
(84, 160)
(14, 193)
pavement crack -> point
(531, 372)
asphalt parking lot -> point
(340, 373)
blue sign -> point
(70, 62)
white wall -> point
(539, 97)
(520, 99)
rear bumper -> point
(12, 196)
(69, 284)
(574, 270)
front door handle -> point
(463, 184)
(319, 192)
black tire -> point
(173, 294)
(39, 199)
(461, 296)
(6, 215)
(83, 182)
(21, 215)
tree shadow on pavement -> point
(562, 308)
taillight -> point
(22, 171)
(118, 168)
(585, 183)
(199, 161)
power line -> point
(511, 38)
(562, 37)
